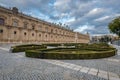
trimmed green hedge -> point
(65, 44)
(80, 51)
(61, 53)
(22, 48)
(58, 55)
(94, 45)
(33, 54)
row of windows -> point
(15, 23)
(15, 32)
(25, 25)
(1, 31)
(26, 33)
(33, 34)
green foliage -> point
(33, 54)
(63, 44)
(114, 26)
(54, 44)
(105, 39)
(22, 48)
(82, 51)
(66, 55)
(94, 45)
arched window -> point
(33, 26)
(15, 32)
(1, 30)
(2, 21)
(32, 34)
(56, 31)
(25, 25)
(46, 35)
(25, 33)
(15, 23)
(51, 30)
(40, 28)
(46, 29)
(39, 35)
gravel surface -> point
(15, 66)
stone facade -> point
(18, 27)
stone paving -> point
(15, 66)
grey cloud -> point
(109, 9)
(29, 5)
(80, 10)
(54, 17)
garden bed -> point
(65, 51)
(71, 53)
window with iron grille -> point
(2, 21)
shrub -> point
(33, 54)
(22, 48)
(80, 51)
(61, 53)
(64, 44)
(95, 45)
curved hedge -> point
(96, 55)
(66, 51)
(63, 54)
(22, 48)
(79, 45)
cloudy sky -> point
(83, 16)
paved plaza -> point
(15, 66)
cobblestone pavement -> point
(15, 66)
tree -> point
(114, 26)
(105, 39)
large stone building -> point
(18, 27)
